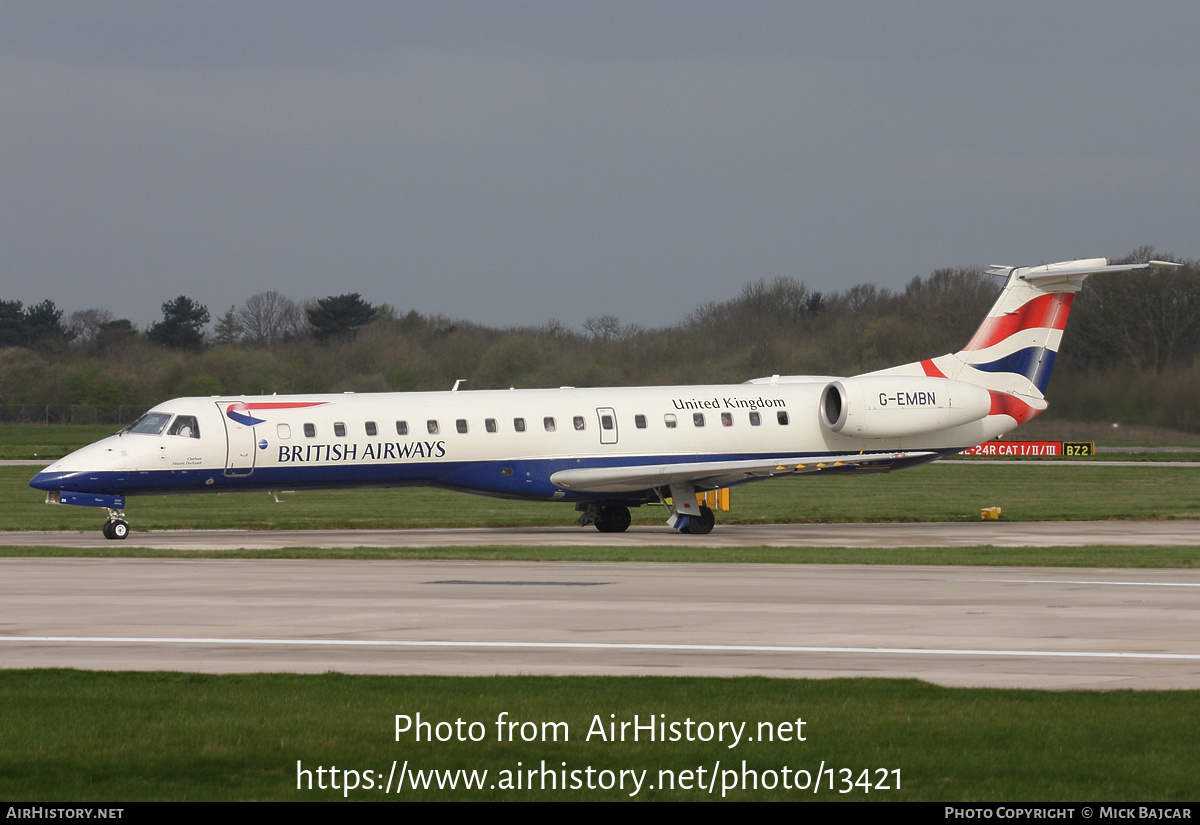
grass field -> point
(73, 736)
(944, 491)
(42, 441)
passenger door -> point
(239, 444)
(608, 425)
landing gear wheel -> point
(613, 520)
(701, 524)
(116, 529)
(107, 530)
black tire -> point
(702, 524)
(107, 530)
(119, 529)
(614, 520)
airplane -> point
(605, 449)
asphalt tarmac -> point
(949, 534)
(962, 626)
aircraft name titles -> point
(381, 451)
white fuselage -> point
(501, 442)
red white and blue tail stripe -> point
(1013, 351)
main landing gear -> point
(613, 519)
(688, 515)
(116, 527)
(607, 518)
(691, 517)
(700, 524)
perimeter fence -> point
(70, 413)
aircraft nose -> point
(49, 481)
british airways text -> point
(383, 451)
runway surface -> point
(1003, 627)
(956, 534)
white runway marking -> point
(1105, 584)
(678, 648)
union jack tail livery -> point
(1012, 353)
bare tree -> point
(85, 325)
(270, 318)
(603, 328)
(944, 309)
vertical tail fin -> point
(1018, 340)
(1013, 351)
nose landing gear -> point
(116, 527)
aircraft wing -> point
(707, 474)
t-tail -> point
(1012, 353)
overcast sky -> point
(514, 162)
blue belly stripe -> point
(528, 479)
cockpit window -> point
(185, 426)
(152, 423)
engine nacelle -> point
(895, 406)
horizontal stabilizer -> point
(1069, 269)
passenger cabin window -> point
(310, 431)
(782, 417)
(606, 422)
(726, 419)
(371, 428)
(698, 419)
(461, 425)
(578, 422)
(519, 424)
(185, 426)
(433, 427)
(755, 419)
(339, 429)
(548, 423)
(639, 421)
(401, 428)
(283, 430)
(489, 424)
(669, 420)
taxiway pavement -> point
(948, 534)
(1002, 627)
